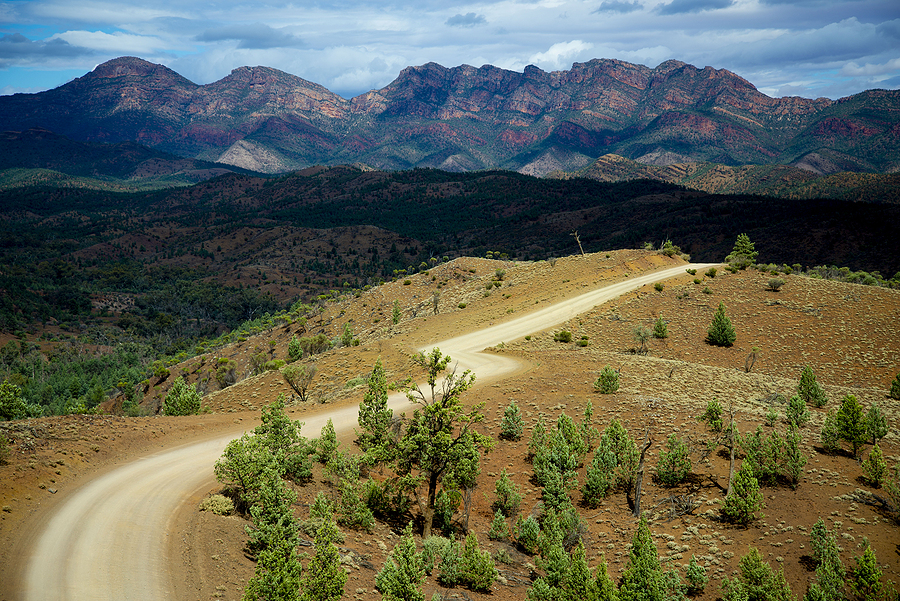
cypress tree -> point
(721, 332)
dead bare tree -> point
(578, 240)
(639, 477)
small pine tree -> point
(674, 462)
(830, 435)
(600, 478)
(756, 581)
(876, 423)
(182, 399)
(696, 577)
(721, 332)
(395, 313)
(660, 329)
(793, 459)
(745, 500)
(851, 423)
(403, 573)
(608, 382)
(829, 582)
(325, 578)
(895, 388)
(295, 351)
(477, 569)
(713, 415)
(809, 390)
(744, 253)
(796, 412)
(528, 533)
(579, 584)
(509, 497)
(499, 530)
(874, 467)
(643, 577)
(511, 427)
(327, 443)
(866, 581)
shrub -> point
(327, 443)
(641, 335)
(713, 415)
(691, 271)
(830, 436)
(478, 571)
(707, 290)
(528, 534)
(600, 478)
(217, 504)
(294, 349)
(511, 427)
(509, 497)
(876, 424)
(818, 540)
(563, 336)
(12, 405)
(756, 581)
(775, 284)
(721, 332)
(696, 577)
(793, 460)
(403, 573)
(353, 511)
(499, 530)
(182, 399)
(658, 286)
(433, 548)
(851, 423)
(396, 314)
(809, 390)
(711, 272)
(866, 580)
(874, 467)
(674, 463)
(796, 412)
(608, 381)
(660, 329)
(226, 372)
(299, 377)
(895, 388)
(745, 500)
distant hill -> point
(466, 118)
(784, 181)
(40, 156)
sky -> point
(809, 48)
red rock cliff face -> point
(484, 117)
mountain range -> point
(466, 118)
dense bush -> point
(217, 504)
(713, 415)
(756, 581)
(660, 329)
(509, 497)
(720, 331)
(403, 573)
(182, 399)
(745, 501)
(809, 390)
(674, 463)
(563, 336)
(796, 411)
(875, 467)
(608, 381)
(511, 427)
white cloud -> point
(111, 42)
(560, 55)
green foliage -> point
(643, 576)
(660, 329)
(829, 581)
(866, 580)
(439, 440)
(433, 548)
(347, 335)
(327, 443)
(563, 336)
(217, 504)
(818, 540)
(12, 405)
(278, 571)
(600, 479)
(295, 351)
(793, 459)
(892, 488)
(467, 566)
(281, 436)
(511, 427)
(894, 393)
(851, 423)
(745, 500)
(830, 434)
(696, 577)
(763, 453)
(539, 437)
(226, 373)
(396, 314)
(299, 377)
(375, 418)
(403, 573)
(712, 415)
(796, 412)
(674, 463)
(325, 577)
(743, 254)
(182, 399)
(240, 467)
(775, 284)
(499, 529)
(721, 332)
(875, 467)
(641, 335)
(809, 390)
(711, 272)
(658, 286)
(509, 496)
(876, 423)
(528, 533)
(756, 581)
(608, 381)
(353, 511)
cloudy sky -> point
(808, 48)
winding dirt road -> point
(108, 540)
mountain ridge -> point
(463, 118)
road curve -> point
(107, 541)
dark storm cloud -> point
(466, 20)
(255, 36)
(615, 6)
(677, 7)
(16, 47)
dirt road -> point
(108, 540)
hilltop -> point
(808, 322)
(466, 118)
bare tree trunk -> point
(640, 477)
(578, 240)
(429, 509)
